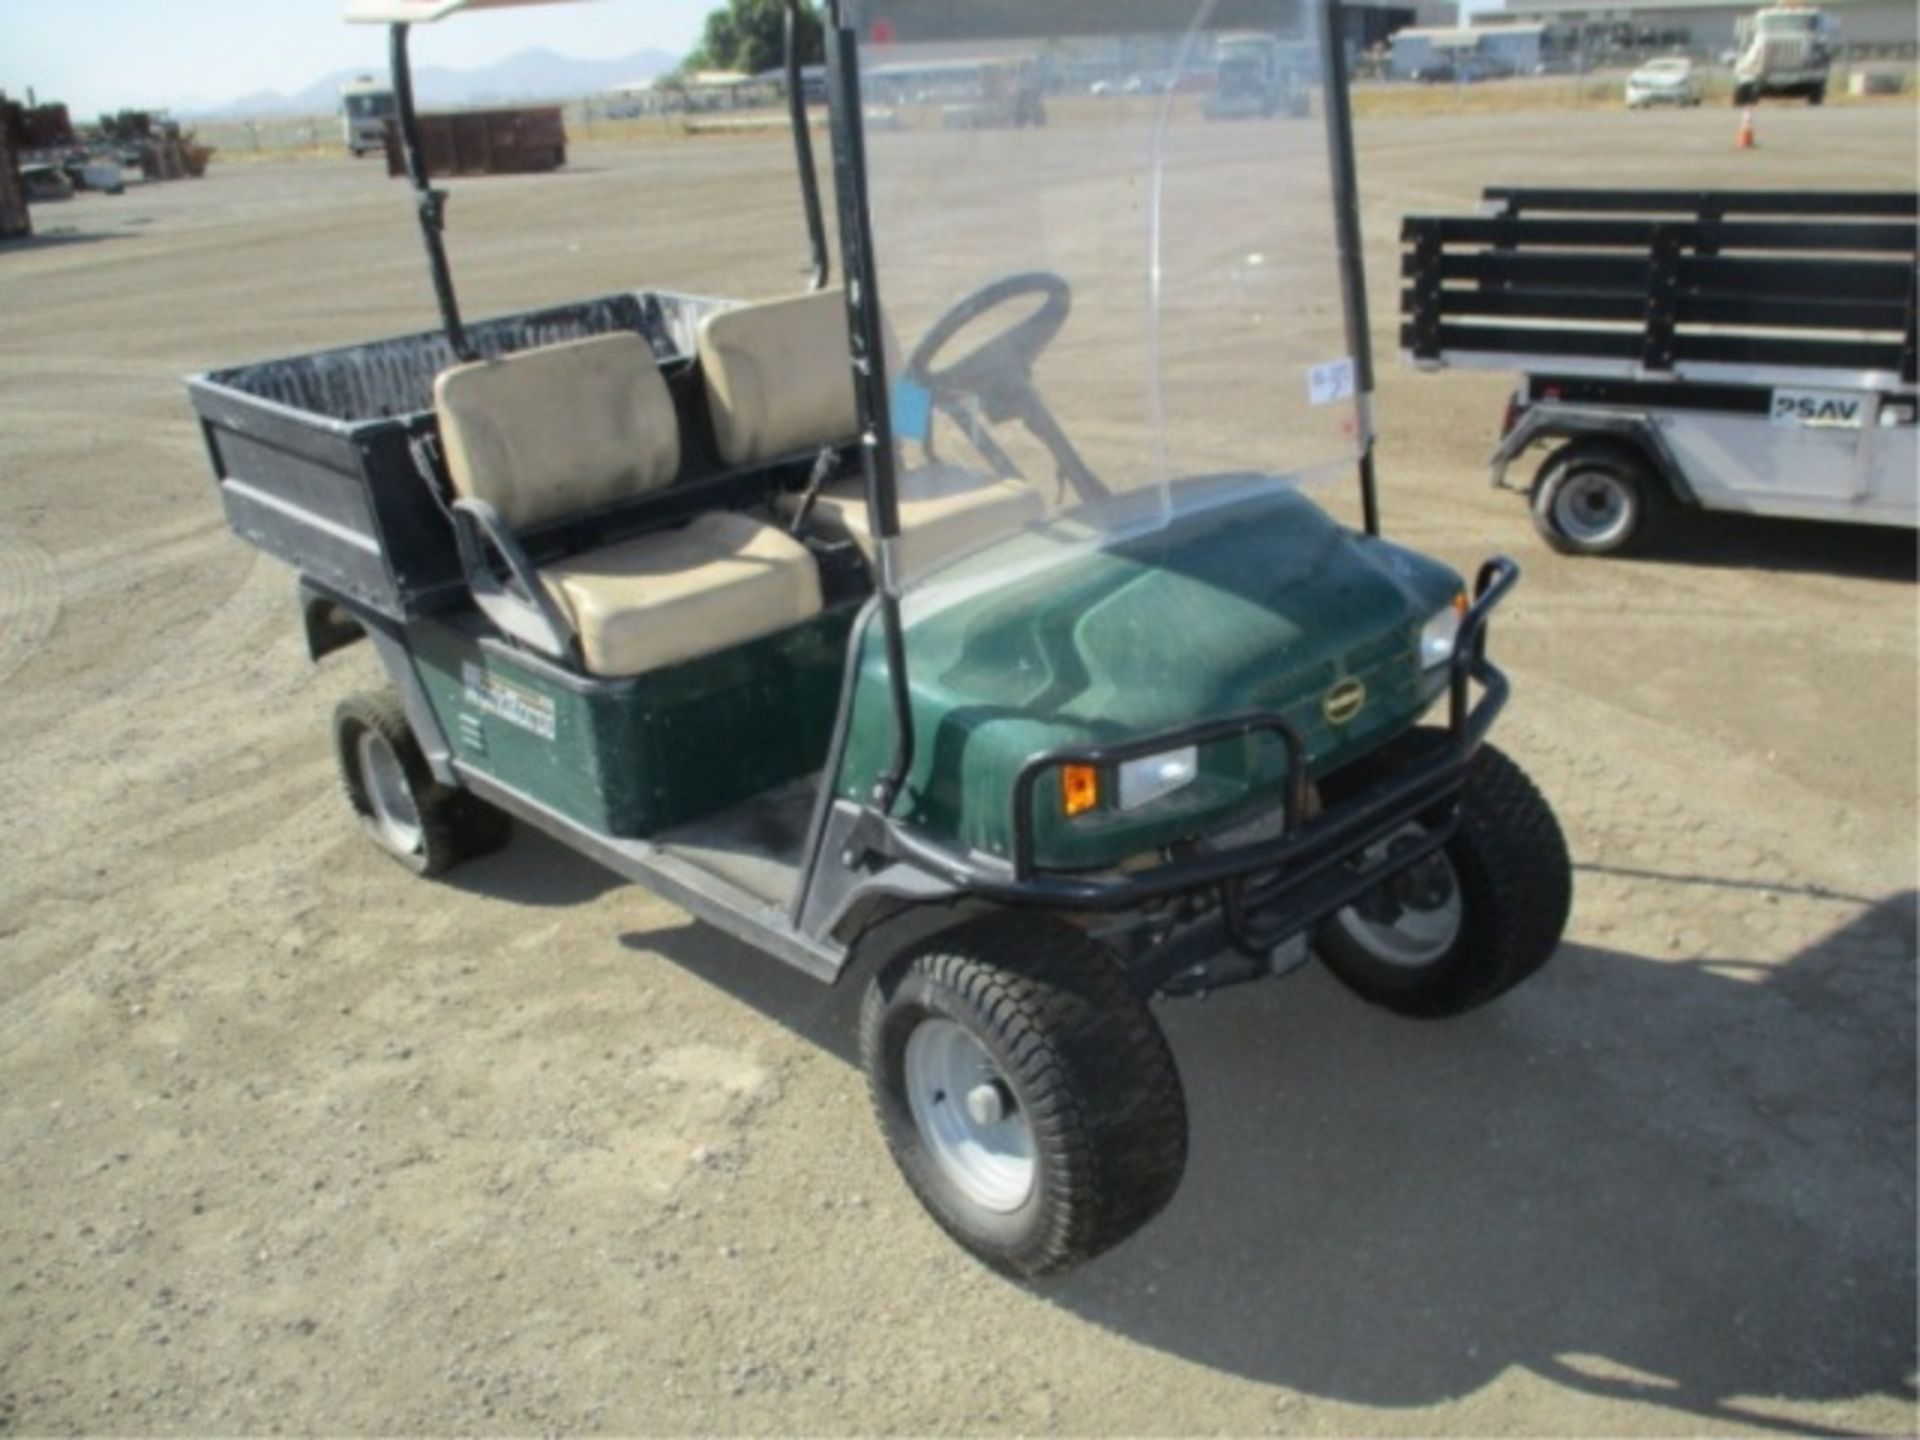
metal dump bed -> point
(326, 460)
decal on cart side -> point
(506, 701)
(1819, 409)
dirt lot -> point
(294, 1142)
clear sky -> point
(100, 55)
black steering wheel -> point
(986, 368)
(997, 374)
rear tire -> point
(1026, 1093)
(1504, 881)
(414, 819)
(1817, 95)
(1592, 497)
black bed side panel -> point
(341, 505)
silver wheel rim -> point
(1418, 917)
(967, 1116)
(389, 800)
(1592, 508)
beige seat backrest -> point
(557, 431)
(777, 376)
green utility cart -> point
(986, 623)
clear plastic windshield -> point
(1106, 255)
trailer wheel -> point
(1817, 95)
(1025, 1091)
(1595, 498)
(426, 826)
(1472, 920)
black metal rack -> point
(1516, 200)
(1660, 279)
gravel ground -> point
(294, 1142)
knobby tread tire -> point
(1509, 836)
(1087, 1064)
(454, 824)
(1516, 879)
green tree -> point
(750, 35)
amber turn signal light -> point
(1079, 789)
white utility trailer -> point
(1734, 350)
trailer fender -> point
(333, 622)
(1545, 421)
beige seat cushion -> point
(945, 510)
(778, 378)
(720, 580)
(560, 430)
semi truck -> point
(366, 103)
(1257, 77)
(1785, 50)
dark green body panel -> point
(1261, 604)
(634, 757)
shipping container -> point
(486, 142)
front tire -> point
(1465, 925)
(1595, 498)
(414, 819)
(1024, 1090)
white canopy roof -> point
(418, 12)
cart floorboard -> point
(758, 844)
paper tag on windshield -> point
(912, 411)
(1330, 382)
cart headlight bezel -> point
(1139, 782)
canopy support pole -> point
(1353, 275)
(869, 380)
(430, 203)
(803, 153)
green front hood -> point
(1260, 603)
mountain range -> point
(529, 75)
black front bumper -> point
(1276, 887)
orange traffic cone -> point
(1744, 140)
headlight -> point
(1438, 635)
(1144, 780)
